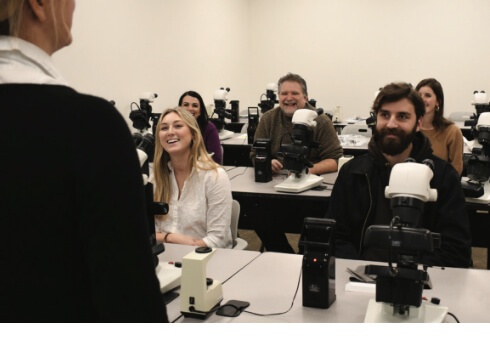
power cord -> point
(284, 312)
(454, 316)
(239, 173)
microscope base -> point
(200, 315)
(296, 185)
(426, 313)
(485, 199)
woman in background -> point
(195, 187)
(74, 237)
(194, 104)
(446, 138)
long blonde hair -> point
(199, 157)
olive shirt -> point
(274, 124)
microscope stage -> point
(426, 313)
(169, 276)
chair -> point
(238, 243)
(357, 129)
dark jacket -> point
(360, 186)
(74, 235)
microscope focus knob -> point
(203, 249)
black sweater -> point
(356, 197)
(74, 242)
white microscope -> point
(199, 295)
(296, 154)
(220, 96)
(399, 288)
(476, 185)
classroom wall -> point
(122, 48)
(344, 49)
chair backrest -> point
(357, 129)
(238, 243)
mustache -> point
(386, 132)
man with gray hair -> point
(275, 125)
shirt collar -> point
(26, 63)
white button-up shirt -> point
(203, 210)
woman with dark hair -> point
(194, 104)
(446, 138)
(197, 189)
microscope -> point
(399, 288)
(142, 116)
(271, 98)
(476, 184)
(220, 97)
(199, 295)
(295, 155)
(253, 122)
(263, 160)
(318, 239)
(144, 146)
(144, 141)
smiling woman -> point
(195, 187)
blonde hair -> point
(11, 12)
(198, 158)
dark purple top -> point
(212, 142)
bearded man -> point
(358, 199)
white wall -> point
(124, 47)
(345, 49)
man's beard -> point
(393, 146)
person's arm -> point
(449, 218)
(340, 209)
(218, 215)
(324, 166)
(113, 226)
(177, 238)
(330, 149)
(212, 142)
(455, 148)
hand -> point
(276, 166)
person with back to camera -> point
(277, 122)
(194, 104)
(195, 187)
(358, 199)
(66, 187)
(446, 138)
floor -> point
(254, 244)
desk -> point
(466, 130)
(270, 281)
(479, 216)
(259, 201)
(236, 151)
(223, 265)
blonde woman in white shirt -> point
(196, 188)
